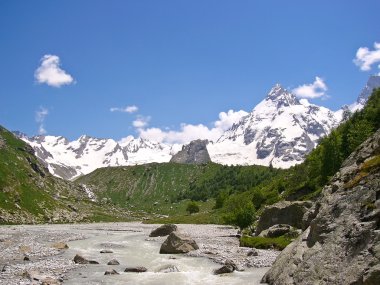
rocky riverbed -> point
(36, 254)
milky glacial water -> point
(135, 249)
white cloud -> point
(189, 132)
(317, 89)
(365, 58)
(128, 109)
(40, 119)
(141, 122)
(49, 72)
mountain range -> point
(280, 131)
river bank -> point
(28, 251)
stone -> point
(113, 262)
(163, 230)
(106, 251)
(81, 260)
(253, 252)
(284, 212)
(178, 243)
(193, 153)
(169, 268)
(60, 245)
(137, 269)
(50, 281)
(276, 231)
(111, 272)
(26, 258)
(342, 244)
(224, 269)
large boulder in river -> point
(81, 260)
(178, 243)
(164, 230)
(193, 153)
(342, 243)
(284, 212)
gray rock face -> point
(178, 243)
(193, 153)
(285, 212)
(163, 230)
(342, 243)
(373, 82)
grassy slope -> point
(29, 194)
(151, 187)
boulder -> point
(224, 269)
(113, 262)
(163, 230)
(178, 243)
(50, 281)
(137, 269)
(342, 243)
(284, 212)
(111, 272)
(81, 260)
(276, 231)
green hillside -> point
(30, 194)
(146, 187)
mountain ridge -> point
(280, 131)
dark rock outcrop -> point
(342, 243)
(178, 243)
(285, 212)
(193, 153)
(163, 230)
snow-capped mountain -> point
(280, 130)
(69, 160)
(372, 83)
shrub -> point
(192, 207)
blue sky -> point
(181, 63)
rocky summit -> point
(342, 243)
(193, 153)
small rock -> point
(224, 269)
(253, 252)
(81, 260)
(50, 281)
(113, 262)
(106, 251)
(163, 230)
(137, 269)
(60, 245)
(111, 272)
(26, 258)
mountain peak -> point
(372, 83)
(282, 96)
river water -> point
(132, 247)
